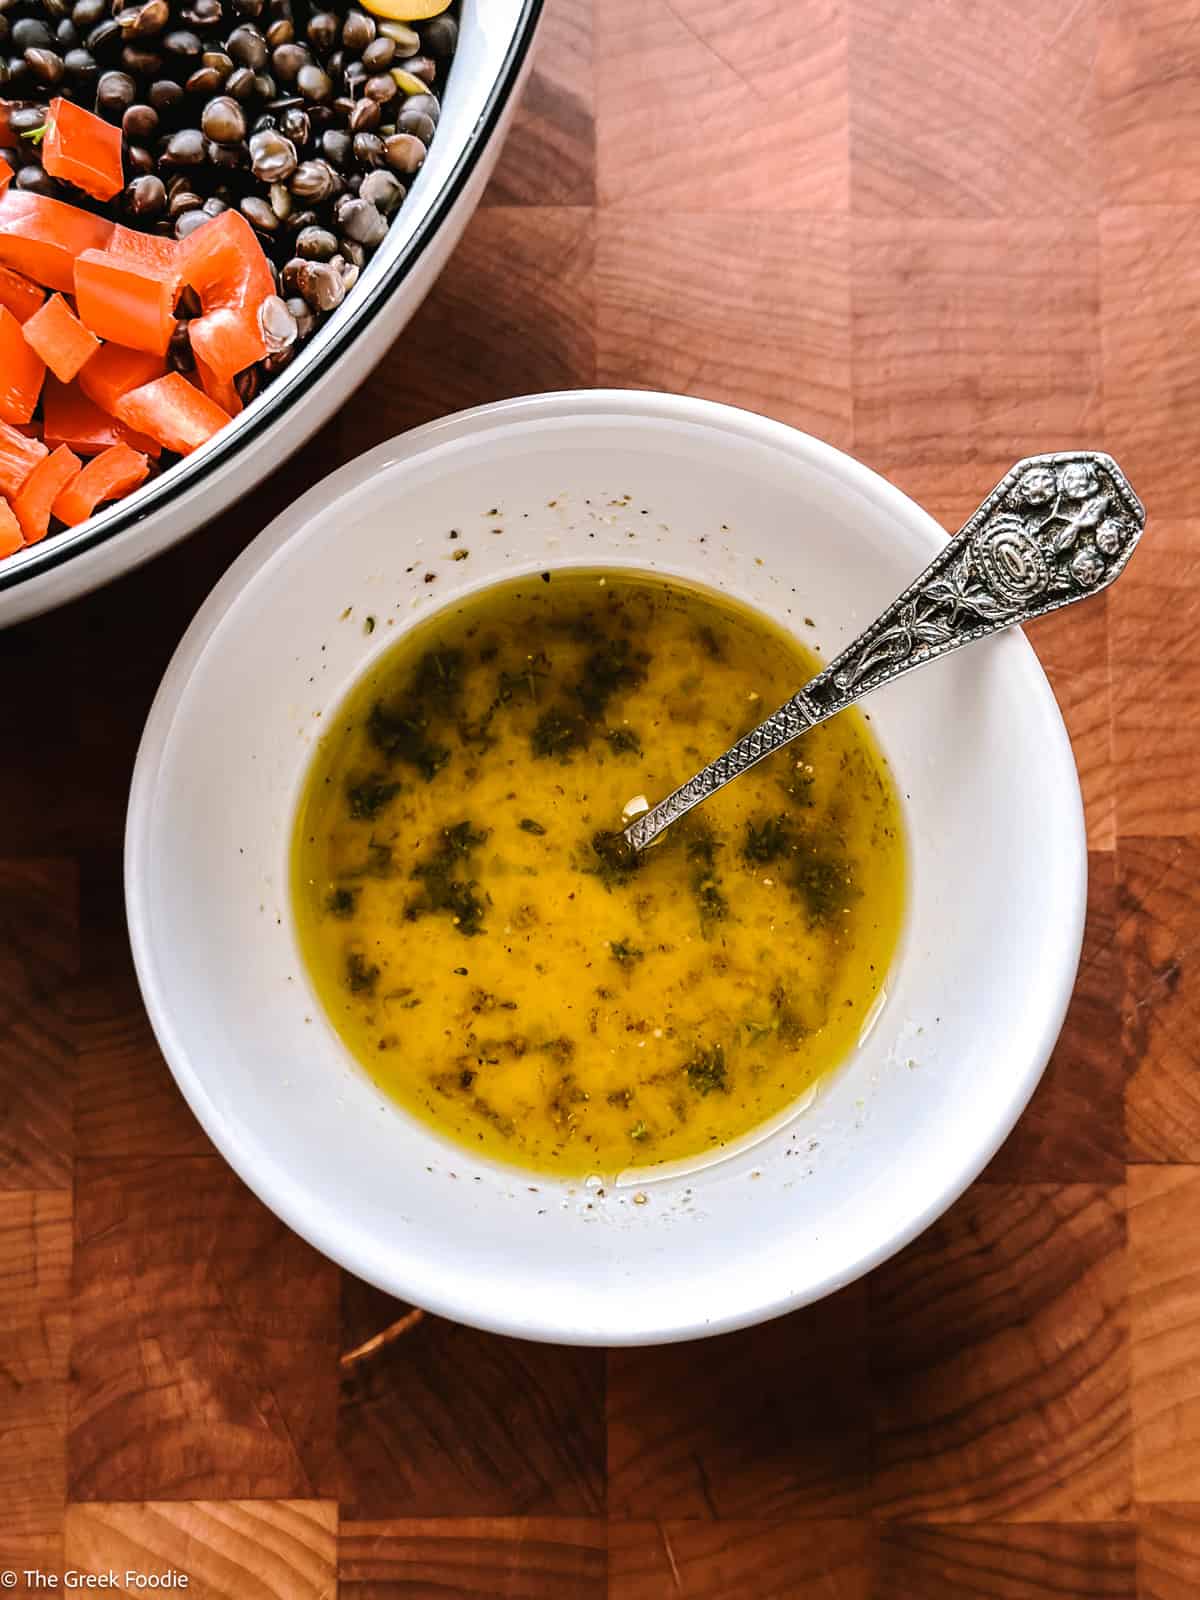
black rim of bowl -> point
(361, 310)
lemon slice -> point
(406, 10)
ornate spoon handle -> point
(1057, 529)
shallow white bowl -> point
(976, 997)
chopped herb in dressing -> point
(624, 953)
(366, 799)
(341, 902)
(768, 841)
(361, 975)
(824, 882)
(444, 887)
(702, 846)
(623, 742)
(706, 1070)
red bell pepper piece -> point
(58, 336)
(41, 489)
(83, 149)
(173, 411)
(10, 530)
(227, 340)
(223, 391)
(114, 370)
(224, 263)
(6, 176)
(20, 296)
(108, 477)
(125, 299)
(42, 237)
(19, 454)
(70, 417)
(22, 371)
(151, 248)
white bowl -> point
(978, 990)
(490, 65)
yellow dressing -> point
(503, 979)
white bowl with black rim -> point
(491, 62)
(653, 483)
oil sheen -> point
(505, 979)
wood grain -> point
(1155, 613)
(1164, 1224)
(472, 343)
(1017, 1561)
(49, 815)
(1151, 290)
(39, 960)
(781, 343)
(980, 112)
(1000, 1361)
(933, 300)
(1168, 1552)
(771, 1422)
(227, 1549)
(549, 158)
(1160, 930)
(706, 108)
(735, 1559)
(204, 1340)
(444, 1420)
(127, 1102)
(35, 1312)
(492, 1558)
(1148, 76)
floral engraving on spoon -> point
(1056, 529)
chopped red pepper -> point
(19, 454)
(125, 299)
(223, 391)
(114, 370)
(227, 340)
(108, 477)
(22, 371)
(10, 529)
(58, 336)
(70, 417)
(83, 149)
(42, 237)
(20, 296)
(224, 263)
(6, 176)
(41, 489)
(173, 411)
(151, 248)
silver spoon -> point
(1057, 529)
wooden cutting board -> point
(941, 234)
